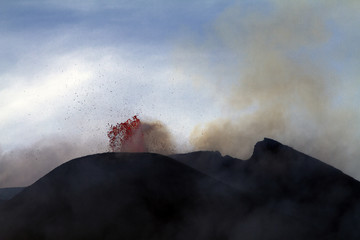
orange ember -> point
(126, 136)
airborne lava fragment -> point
(126, 136)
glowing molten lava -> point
(126, 136)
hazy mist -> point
(274, 87)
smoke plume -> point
(134, 135)
(157, 138)
(23, 166)
(278, 89)
(150, 137)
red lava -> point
(126, 136)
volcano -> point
(279, 193)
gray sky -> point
(69, 68)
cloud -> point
(279, 90)
(74, 78)
(23, 166)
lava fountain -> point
(126, 136)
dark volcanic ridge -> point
(9, 193)
(279, 193)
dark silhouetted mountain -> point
(290, 184)
(8, 193)
(279, 193)
(123, 196)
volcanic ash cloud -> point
(279, 90)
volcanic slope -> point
(279, 193)
(287, 183)
(8, 193)
(123, 196)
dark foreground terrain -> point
(279, 193)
